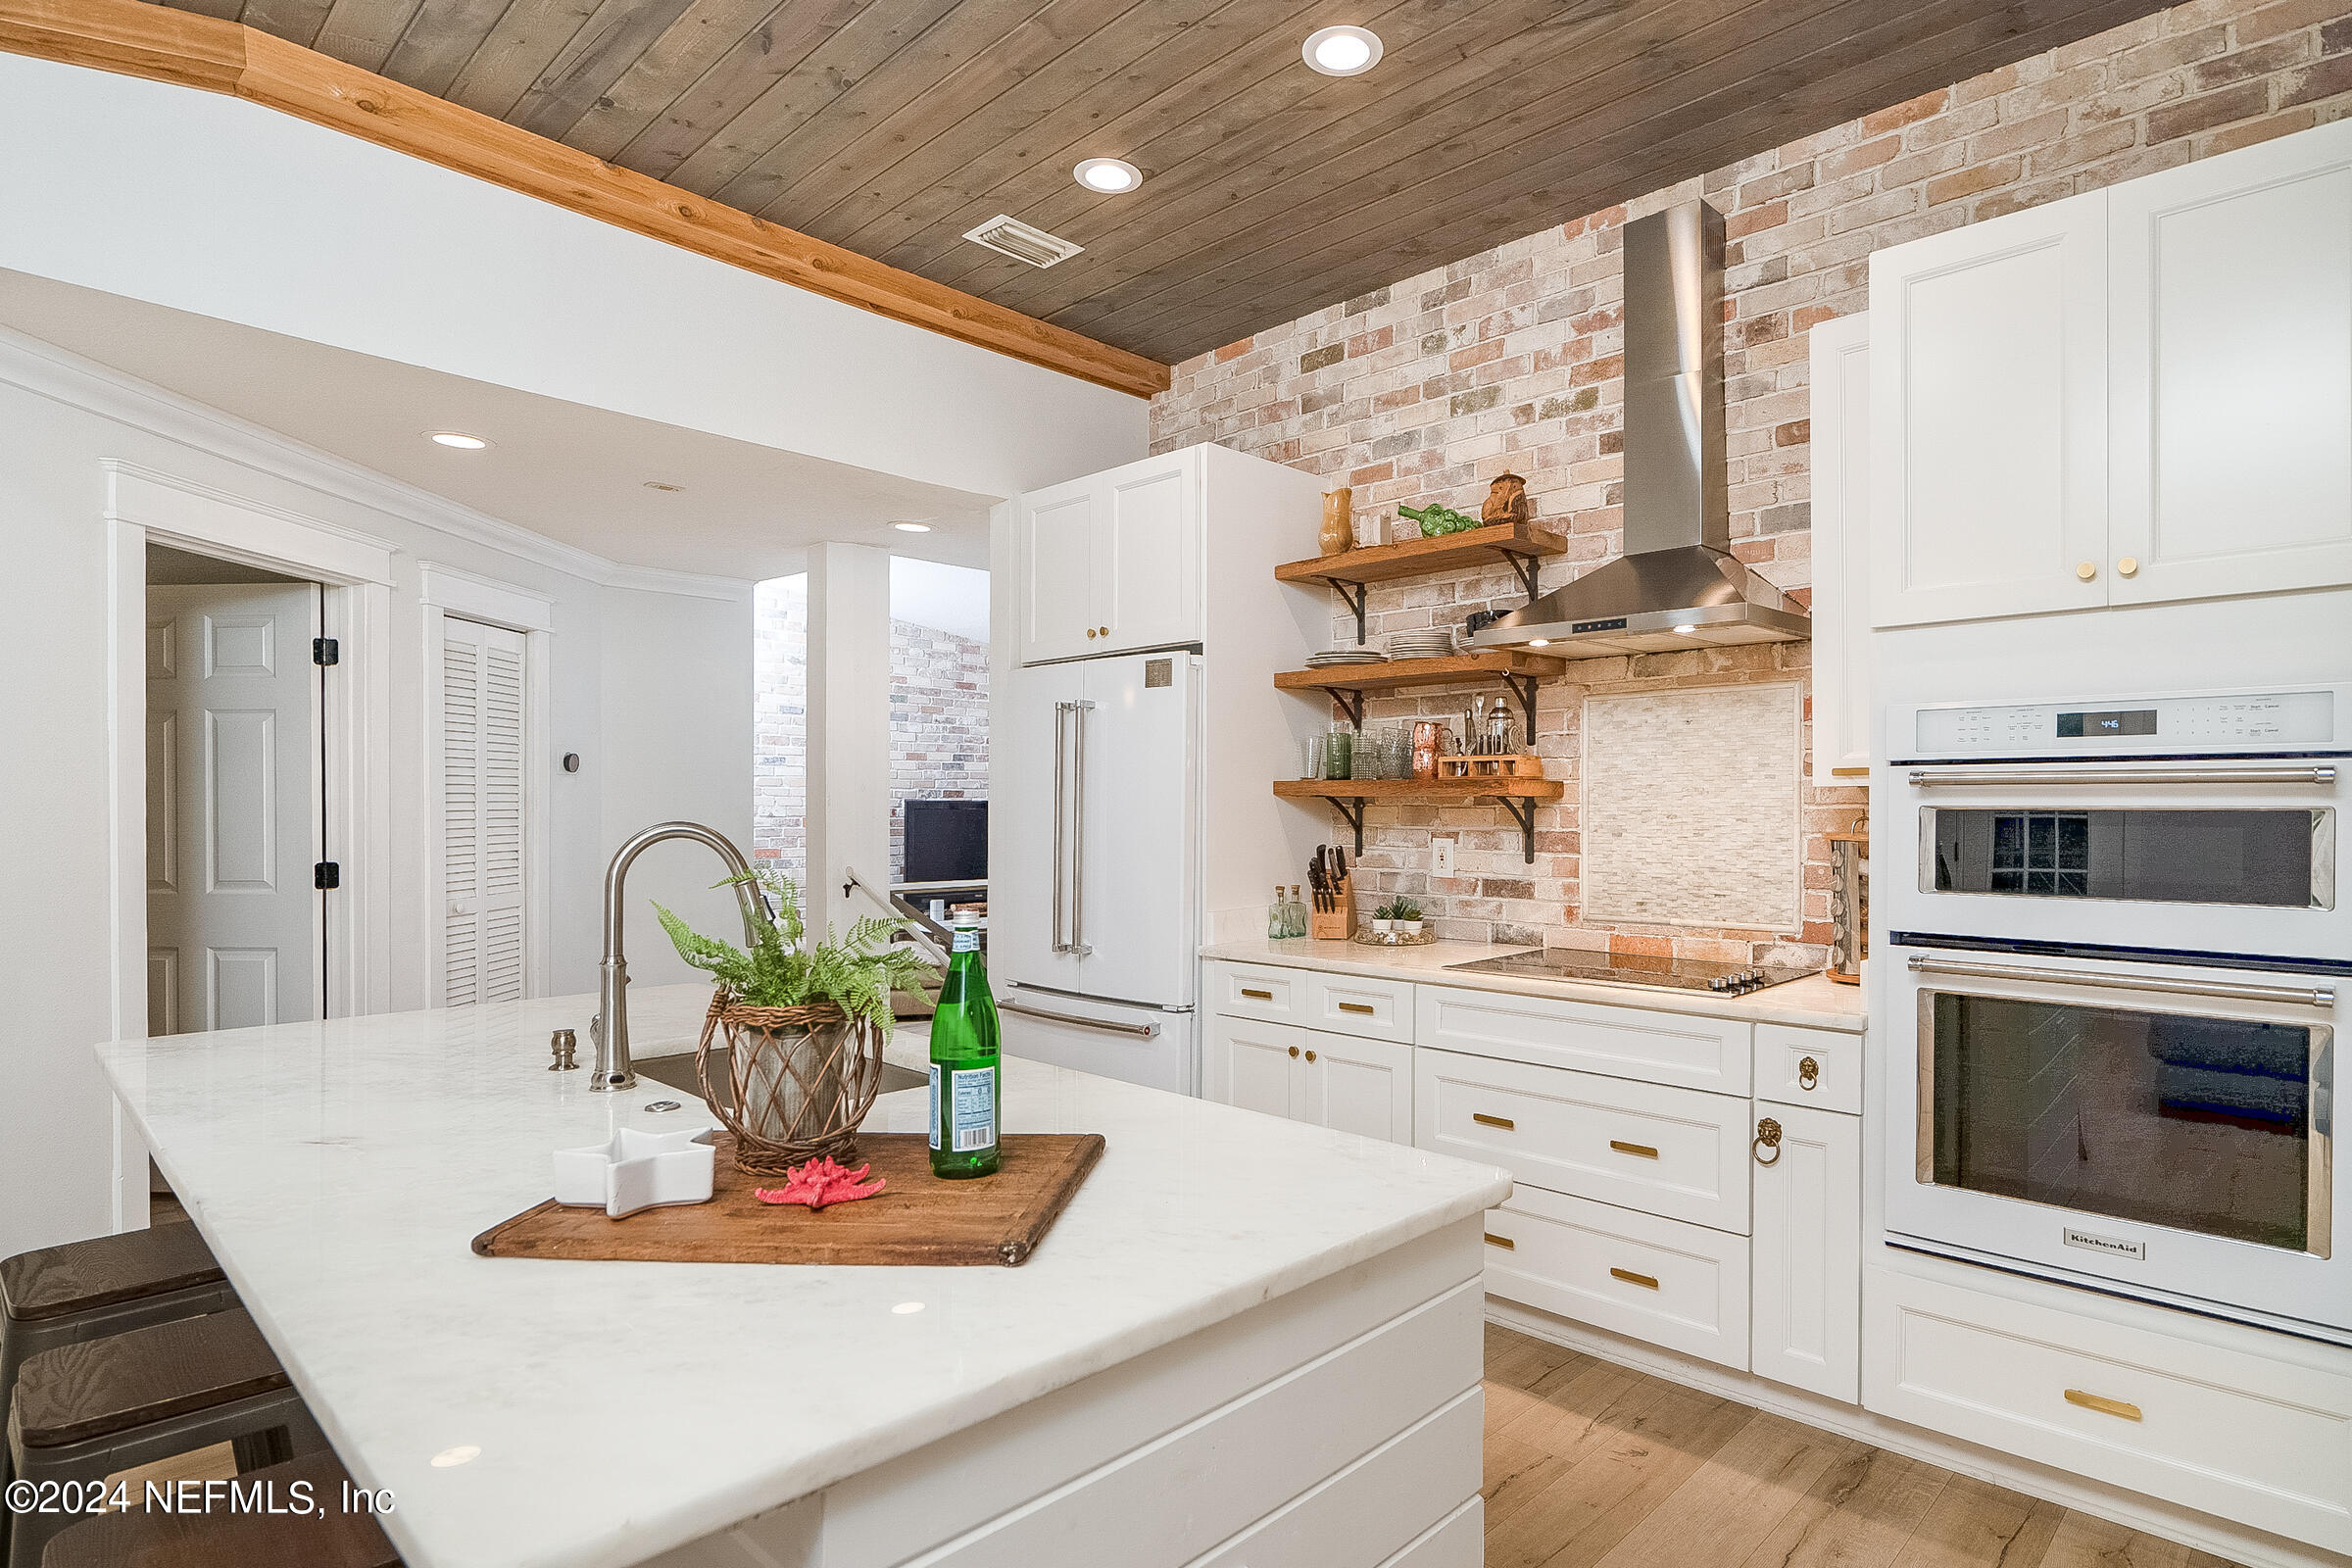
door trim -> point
(355, 572)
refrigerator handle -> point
(1060, 770)
(1078, 832)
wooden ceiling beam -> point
(131, 37)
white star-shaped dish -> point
(633, 1170)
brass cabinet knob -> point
(1090, 634)
(1293, 1051)
(1768, 1136)
(1106, 631)
(2129, 567)
(1310, 1056)
(2086, 570)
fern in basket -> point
(857, 974)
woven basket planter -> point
(799, 1081)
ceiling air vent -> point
(1009, 236)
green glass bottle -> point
(964, 1064)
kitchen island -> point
(1246, 1338)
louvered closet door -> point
(482, 812)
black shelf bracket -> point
(1352, 811)
(1523, 687)
(1352, 703)
(1356, 594)
(1528, 567)
(1523, 813)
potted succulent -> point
(1398, 917)
(803, 1026)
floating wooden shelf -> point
(1347, 684)
(1522, 544)
(1350, 796)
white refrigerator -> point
(1096, 865)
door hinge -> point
(326, 874)
(325, 650)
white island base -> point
(1334, 1427)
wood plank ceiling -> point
(891, 127)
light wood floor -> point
(1588, 1463)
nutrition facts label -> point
(2239, 721)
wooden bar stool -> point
(333, 1538)
(87, 1410)
(60, 1295)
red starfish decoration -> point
(822, 1182)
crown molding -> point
(47, 370)
(132, 38)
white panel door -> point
(2231, 452)
(233, 819)
(1257, 1066)
(482, 808)
(1988, 418)
(1841, 351)
(1059, 547)
(1805, 1323)
(1133, 913)
(1359, 1086)
(1149, 561)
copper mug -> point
(1428, 744)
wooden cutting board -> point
(918, 1220)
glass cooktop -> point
(1634, 969)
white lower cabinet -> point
(1310, 1075)
(2176, 1414)
(1681, 1286)
(1805, 1313)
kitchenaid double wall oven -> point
(2115, 979)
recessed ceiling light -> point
(1110, 176)
(657, 484)
(1343, 51)
(912, 527)
(459, 439)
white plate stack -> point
(1345, 656)
(1434, 644)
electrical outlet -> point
(1440, 856)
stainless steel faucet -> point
(610, 1029)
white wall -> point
(648, 685)
(209, 204)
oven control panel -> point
(2242, 722)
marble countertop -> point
(340, 1170)
(1813, 1003)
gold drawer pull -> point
(1768, 1136)
(1808, 1072)
(1485, 1120)
(2092, 1401)
(1364, 1007)
(1258, 995)
(1642, 1149)
(1503, 1241)
(1632, 1278)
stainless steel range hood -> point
(1677, 584)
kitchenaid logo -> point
(2113, 1247)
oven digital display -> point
(2120, 721)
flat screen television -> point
(947, 841)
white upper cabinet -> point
(1989, 417)
(1112, 562)
(1841, 611)
(2231, 452)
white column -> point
(848, 727)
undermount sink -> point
(677, 1072)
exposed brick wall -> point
(938, 723)
(1510, 360)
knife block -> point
(1334, 924)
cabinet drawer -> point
(1344, 1005)
(1248, 990)
(1681, 1286)
(1671, 1151)
(1379, 1508)
(1833, 1081)
(2262, 1441)
(1664, 1048)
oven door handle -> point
(2224, 990)
(1944, 778)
